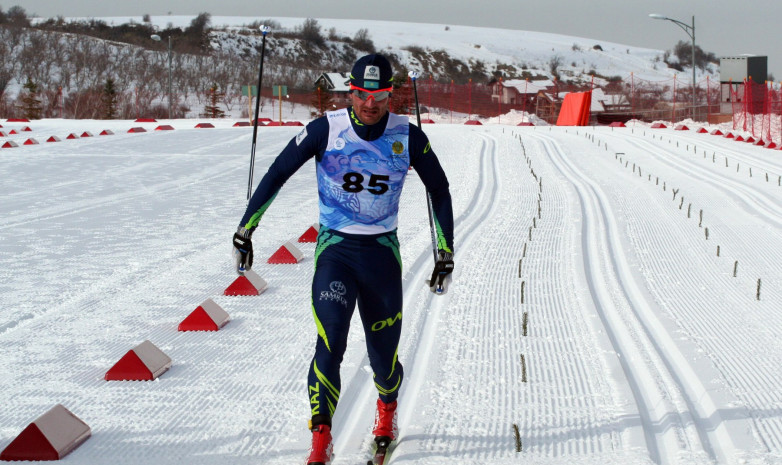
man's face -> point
(369, 111)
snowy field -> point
(590, 310)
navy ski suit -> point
(361, 170)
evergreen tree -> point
(109, 100)
(212, 108)
(322, 101)
(31, 104)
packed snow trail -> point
(717, 312)
(679, 415)
(587, 311)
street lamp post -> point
(690, 30)
(157, 38)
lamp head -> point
(155, 37)
(658, 16)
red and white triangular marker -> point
(86, 134)
(145, 362)
(310, 235)
(50, 437)
(288, 253)
(10, 144)
(30, 141)
(249, 284)
(106, 132)
(207, 317)
(53, 139)
(72, 136)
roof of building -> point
(338, 82)
(531, 87)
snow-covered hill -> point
(512, 51)
(590, 311)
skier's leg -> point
(333, 301)
(380, 306)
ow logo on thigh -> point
(383, 324)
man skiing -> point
(362, 155)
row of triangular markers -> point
(57, 432)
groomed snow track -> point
(588, 312)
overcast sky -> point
(723, 27)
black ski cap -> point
(372, 72)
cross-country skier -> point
(362, 154)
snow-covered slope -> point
(589, 311)
(522, 50)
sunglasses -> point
(378, 95)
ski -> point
(382, 451)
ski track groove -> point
(751, 372)
(684, 378)
(748, 195)
(605, 299)
(572, 407)
(550, 309)
(761, 227)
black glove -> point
(243, 250)
(441, 275)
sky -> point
(723, 27)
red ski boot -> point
(385, 420)
(321, 449)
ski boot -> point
(322, 448)
(385, 421)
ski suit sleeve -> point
(311, 141)
(426, 164)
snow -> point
(528, 50)
(641, 345)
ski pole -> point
(264, 30)
(413, 76)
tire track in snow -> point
(672, 400)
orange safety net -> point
(575, 109)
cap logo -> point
(372, 72)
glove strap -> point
(245, 233)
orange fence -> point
(748, 106)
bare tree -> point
(310, 32)
(553, 65)
(363, 42)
